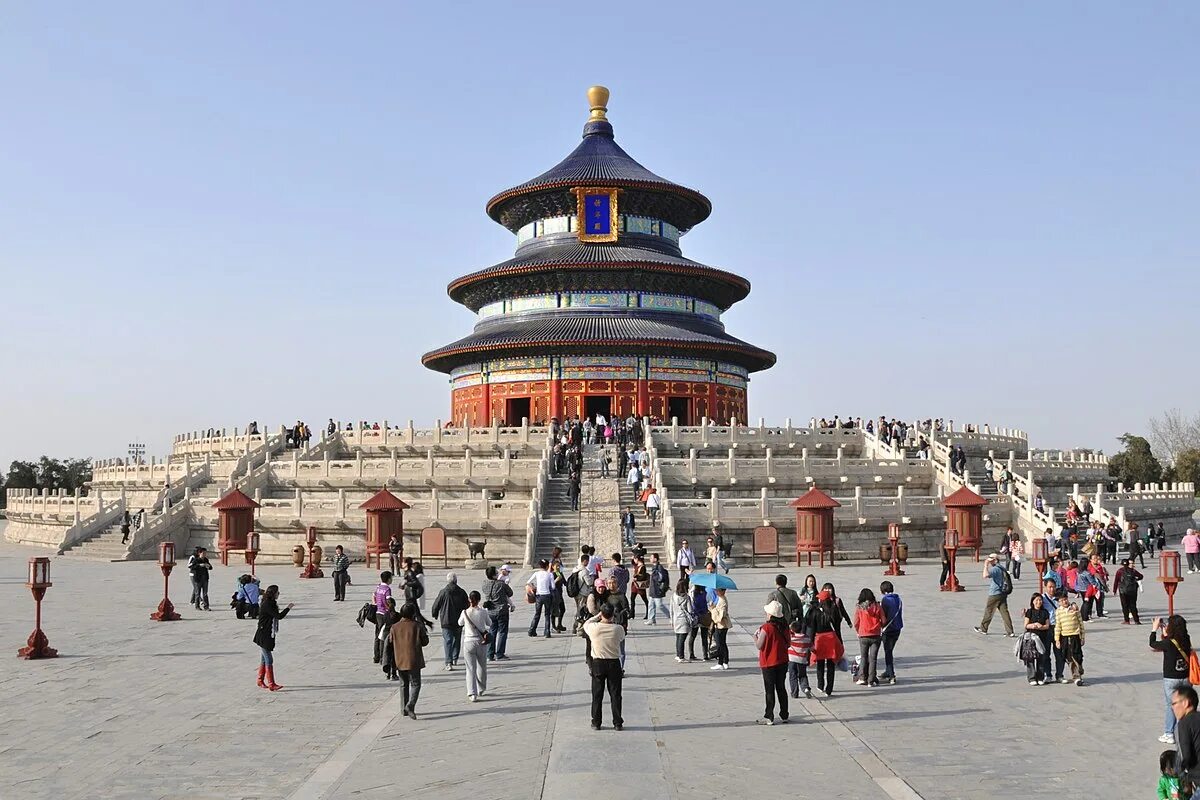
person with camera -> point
(497, 601)
(268, 626)
(607, 639)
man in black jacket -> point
(1187, 732)
(448, 607)
(787, 598)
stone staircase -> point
(558, 525)
(105, 546)
(649, 535)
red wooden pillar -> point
(643, 397)
(556, 401)
(964, 513)
(712, 404)
(487, 405)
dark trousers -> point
(544, 603)
(411, 688)
(558, 603)
(889, 644)
(797, 677)
(499, 634)
(606, 673)
(775, 687)
(691, 641)
(378, 644)
(199, 593)
(1088, 602)
(945, 574)
(340, 581)
(1193, 560)
(1016, 570)
(680, 640)
(1060, 662)
(825, 670)
(1129, 607)
(721, 635)
(633, 596)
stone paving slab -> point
(137, 709)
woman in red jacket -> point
(868, 623)
(771, 639)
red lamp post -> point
(1169, 576)
(166, 562)
(894, 539)
(38, 646)
(312, 570)
(1041, 556)
(951, 545)
(252, 552)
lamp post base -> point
(37, 646)
(165, 613)
(893, 569)
(312, 571)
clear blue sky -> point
(217, 212)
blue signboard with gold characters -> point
(598, 220)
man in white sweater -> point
(606, 638)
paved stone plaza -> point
(137, 709)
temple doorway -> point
(679, 408)
(597, 404)
(516, 408)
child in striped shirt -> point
(799, 648)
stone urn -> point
(317, 553)
(298, 556)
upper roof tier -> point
(599, 162)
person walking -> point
(497, 601)
(474, 623)
(652, 505)
(685, 559)
(772, 639)
(1016, 552)
(607, 639)
(682, 617)
(341, 573)
(264, 636)
(659, 586)
(893, 624)
(628, 526)
(799, 651)
(382, 592)
(721, 623)
(407, 640)
(868, 624)
(1127, 583)
(447, 608)
(199, 568)
(1069, 636)
(823, 625)
(787, 598)
(1172, 640)
(1037, 623)
(999, 588)
(389, 618)
(637, 588)
(542, 583)
(1191, 548)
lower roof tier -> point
(588, 332)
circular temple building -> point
(598, 310)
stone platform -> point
(137, 709)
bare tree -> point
(1172, 433)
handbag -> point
(484, 636)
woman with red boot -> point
(268, 625)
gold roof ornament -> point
(598, 99)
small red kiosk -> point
(385, 516)
(964, 513)
(814, 525)
(235, 522)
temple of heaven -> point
(598, 310)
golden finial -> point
(598, 98)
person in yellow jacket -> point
(1069, 636)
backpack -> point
(661, 579)
(413, 590)
(1006, 586)
(574, 584)
(1028, 650)
(1129, 584)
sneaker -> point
(1033, 683)
(595, 727)
(1167, 738)
(619, 727)
(473, 697)
(532, 635)
(679, 660)
(892, 680)
(449, 668)
(860, 683)
(648, 622)
(1011, 635)
(715, 667)
(1079, 681)
(1041, 683)
(783, 720)
(980, 631)
(502, 658)
(808, 694)
(412, 713)
(724, 666)
(765, 721)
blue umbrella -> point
(712, 580)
